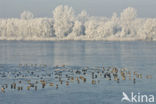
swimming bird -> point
(95, 76)
(78, 72)
(36, 82)
(72, 79)
(6, 85)
(3, 89)
(93, 82)
(35, 88)
(123, 75)
(31, 84)
(134, 80)
(11, 86)
(67, 83)
(20, 81)
(92, 75)
(14, 85)
(148, 76)
(115, 75)
(107, 75)
(84, 80)
(103, 68)
(118, 80)
(21, 88)
(56, 86)
(28, 87)
(78, 81)
(140, 76)
(18, 88)
(114, 70)
(51, 84)
(63, 65)
(61, 81)
(81, 77)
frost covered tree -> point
(83, 16)
(116, 27)
(110, 27)
(66, 25)
(148, 30)
(46, 27)
(128, 14)
(63, 20)
(107, 29)
(127, 18)
(27, 15)
(91, 28)
(78, 30)
(38, 28)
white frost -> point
(66, 25)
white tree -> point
(27, 15)
(78, 29)
(116, 28)
(63, 20)
(91, 28)
(66, 24)
(127, 18)
(106, 29)
(148, 30)
(128, 14)
(83, 16)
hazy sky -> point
(43, 8)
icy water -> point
(139, 56)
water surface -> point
(137, 56)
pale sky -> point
(43, 8)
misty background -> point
(44, 8)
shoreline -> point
(75, 39)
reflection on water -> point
(81, 53)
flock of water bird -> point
(37, 77)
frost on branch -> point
(63, 20)
(27, 15)
(127, 18)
